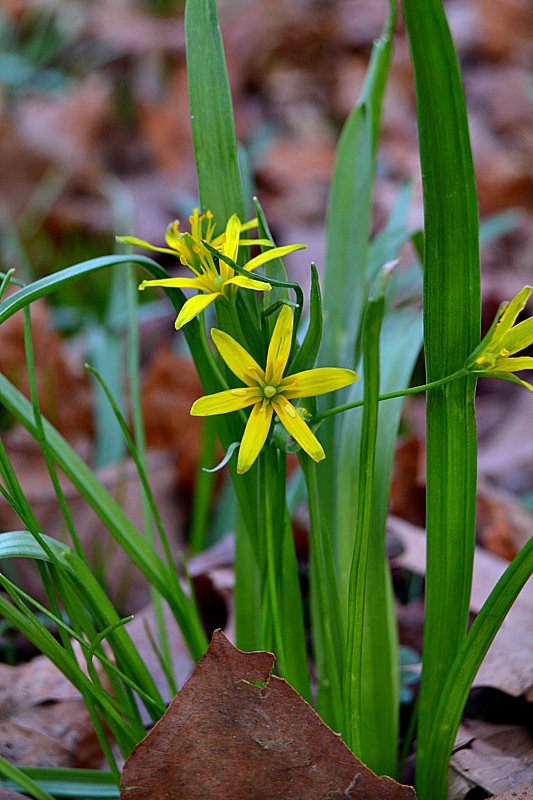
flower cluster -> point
(267, 390)
(504, 339)
(214, 278)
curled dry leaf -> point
(236, 731)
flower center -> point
(269, 391)
(218, 283)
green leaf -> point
(213, 129)
(451, 331)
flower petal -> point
(269, 255)
(249, 283)
(252, 223)
(255, 435)
(507, 376)
(174, 283)
(510, 313)
(237, 358)
(504, 364)
(519, 337)
(147, 246)
(224, 402)
(316, 381)
(298, 429)
(280, 347)
(233, 230)
(193, 307)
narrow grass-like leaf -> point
(20, 780)
(401, 338)
(353, 678)
(74, 783)
(118, 524)
(434, 768)
(451, 331)
(215, 144)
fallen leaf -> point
(508, 664)
(44, 720)
(493, 757)
(169, 388)
(236, 731)
(522, 792)
(126, 586)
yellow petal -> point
(269, 255)
(141, 243)
(519, 337)
(224, 402)
(249, 283)
(280, 347)
(316, 381)
(512, 310)
(237, 358)
(252, 223)
(255, 435)
(233, 229)
(504, 364)
(193, 307)
(174, 283)
(298, 429)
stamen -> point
(238, 392)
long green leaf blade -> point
(215, 144)
(451, 331)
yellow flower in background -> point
(211, 279)
(269, 392)
(503, 340)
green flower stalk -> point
(269, 392)
(504, 339)
(214, 278)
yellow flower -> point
(269, 392)
(504, 339)
(211, 279)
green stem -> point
(268, 498)
(391, 395)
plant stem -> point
(426, 387)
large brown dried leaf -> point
(235, 731)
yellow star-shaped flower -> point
(213, 277)
(504, 339)
(269, 392)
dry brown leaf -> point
(7, 794)
(126, 586)
(508, 665)
(504, 524)
(522, 792)
(44, 719)
(212, 568)
(68, 408)
(170, 386)
(492, 757)
(235, 731)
